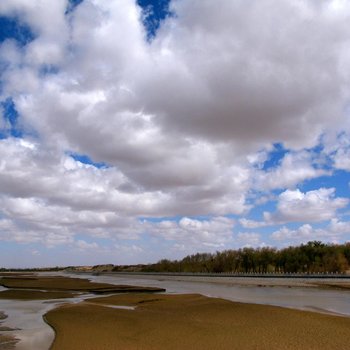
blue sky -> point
(138, 130)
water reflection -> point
(26, 318)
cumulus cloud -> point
(341, 154)
(181, 121)
(28, 170)
(203, 78)
(249, 239)
(240, 76)
(312, 206)
(83, 245)
(331, 233)
(201, 234)
(293, 169)
(246, 223)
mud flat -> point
(192, 321)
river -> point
(35, 334)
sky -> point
(132, 131)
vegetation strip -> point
(311, 258)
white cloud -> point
(29, 171)
(246, 223)
(333, 233)
(83, 245)
(312, 206)
(249, 239)
(183, 122)
(167, 95)
(194, 234)
(293, 169)
(49, 25)
(304, 233)
(239, 74)
(341, 154)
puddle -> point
(122, 307)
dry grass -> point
(192, 322)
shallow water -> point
(35, 334)
(26, 318)
(305, 298)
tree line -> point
(312, 257)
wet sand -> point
(34, 295)
(7, 341)
(192, 322)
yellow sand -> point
(192, 322)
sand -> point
(51, 283)
(192, 322)
(15, 294)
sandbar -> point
(68, 284)
(192, 321)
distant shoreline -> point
(223, 274)
(308, 281)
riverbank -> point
(192, 321)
